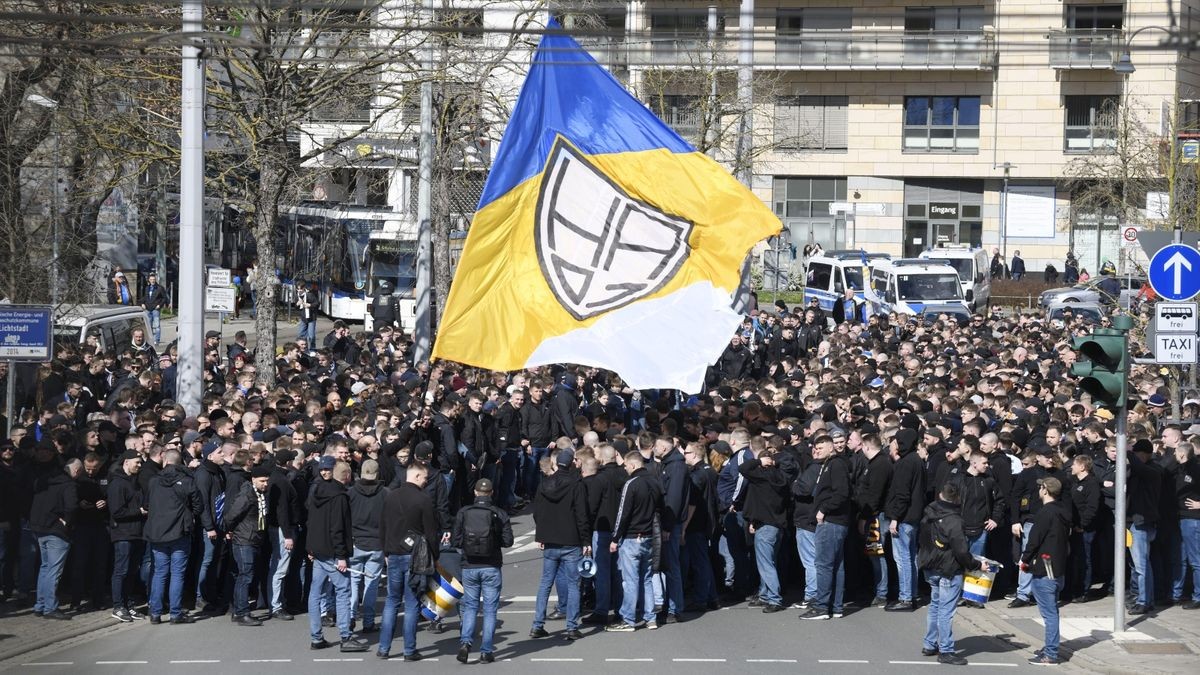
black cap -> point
(423, 452)
(212, 334)
(130, 454)
(261, 471)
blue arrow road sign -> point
(1175, 272)
(25, 333)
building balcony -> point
(1084, 49)
(885, 50)
(610, 52)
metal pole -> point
(160, 234)
(54, 228)
(191, 215)
(745, 170)
(714, 114)
(10, 393)
(1119, 525)
(423, 330)
(1004, 216)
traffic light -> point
(1106, 367)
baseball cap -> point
(423, 452)
(212, 334)
(483, 485)
(326, 463)
(261, 471)
(369, 470)
(358, 388)
(190, 437)
(565, 457)
(130, 454)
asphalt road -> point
(730, 640)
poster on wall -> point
(1030, 211)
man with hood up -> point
(1045, 558)
(366, 507)
(173, 505)
(944, 556)
(903, 508)
(329, 544)
(561, 517)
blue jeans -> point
(831, 566)
(673, 571)
(54, 556)
(766, 551)
(170, 558)
(945, 592)
(155, 324)
(480, 584)
(608, 577)
(325, 573)
(398, 592)
(243, 559)
(904, 552)
(806, 548)
(559, 560)
(1189, 552)
(1045, 592)
(206, 588)
(1024, 579)
(977, 543)
(533, 474)
(704, 587)
(281, 560)
(510, 460)
(127, 556)
(370, 563)
(308, 331)
(634, 556)
(1143, 573)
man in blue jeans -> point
(904, 506)
(173, 505)
(561, 518)
(408, 515)
(328, 543)
(766, 511)
(637, 507)
(246, 519)
(481, 532)
(50, 517)
(1045, 559)
(944, 557)
(831, 499)
(126, 519)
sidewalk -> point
(1167, 642)
(21, 632)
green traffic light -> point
(1105, 372)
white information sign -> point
(1175, 348)
(1030, 211)
(218, 299)
(219, 277)
(1175, 317)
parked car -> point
(1091, 312)
(1089, 291)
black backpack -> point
(479, 532)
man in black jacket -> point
(673, 472)
(126, 518)
(246, 519)
(944, 556)
(1085, 502)
(604, 491)
(831, 499)
(50, 519)
(508, 440)
(366, 507)
(700, 527)
(564, 406)
(481, 532)
(1045, 558)
(561, 518)
(537, 434)
(329, 545)
(173, 505)
(870, 493)
(904, 506)
(766, 514)
(210, 483)
(407, 515)
(1142, 518)
(633, 529)
(479, 438)
(283, 518)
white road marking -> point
(196, 661)
(548, 660)
(50, 663)
(266, 661)
(994, 665)
(335, 660)
(698, 660)
(841, 661)
(517, 611)
(120, 663)
(629, 660)
(913, 663)
(774, 661)
(520, 598)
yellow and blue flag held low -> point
(602, 238)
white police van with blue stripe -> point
(915, 287)
(828, 275)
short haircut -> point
(1083, 461)
(950, 493)
(1053, 486)
(635, 457)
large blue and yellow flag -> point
(602, 237)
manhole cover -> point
(1155, 648)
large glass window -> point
(919, 19)
(941, 124)
(807, 197)
(811, 122)
(1091, 124)
(1094, 17)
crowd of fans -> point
(803, 472)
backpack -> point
(479, 532)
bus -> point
(391, 256)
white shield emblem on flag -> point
(599, 248)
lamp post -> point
(51, 104)
(1008, 167)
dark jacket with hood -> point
(173, 504)
(767, 495)
(906, 497)
(942, 544)
(873, 483)
(283, 504)
(536, 425)
(673, 471)
(125, 500)
(563, 407)
(1049, 536)
(366, 508)
(831, 494)
(609, 481)
(210, 482)
(329, 525)
(54, 504)
(560, 510)
(241, 516)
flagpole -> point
(423, 330)
(745, 170)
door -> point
(944, 233)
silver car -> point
(1089, 292)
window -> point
(807, 197)
(818, 276)
(680, 112)
(1091, 124)
(811, 122)
(941, 124)
(1094, 17)
(927, 19)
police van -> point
(972, 265)
(915, 286)
(828, 275)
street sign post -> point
(25, 333)
(1175, 317)
(219, 277)
(219, 299)
(1175, 348)
(1174, 272)
(1129, 235)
